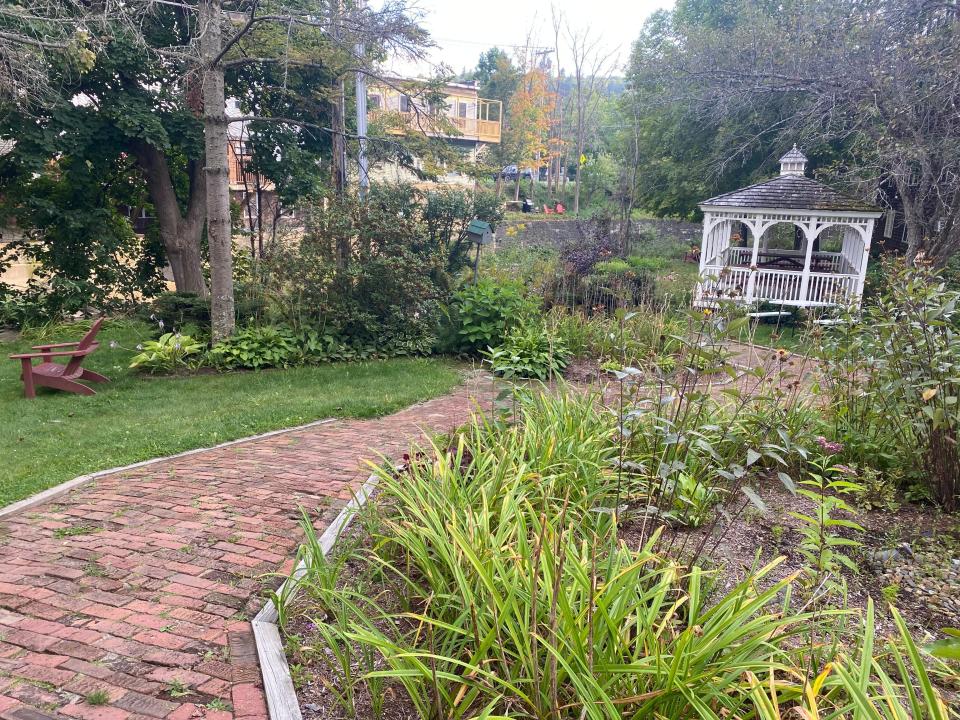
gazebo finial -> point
(793, 163)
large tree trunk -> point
(215, 138)
(179, 233)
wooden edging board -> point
(282, 702)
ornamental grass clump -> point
(493, 584)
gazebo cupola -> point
(789, 240)
(793, 163)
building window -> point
(373, 102)
(405, 103)
(461, 109)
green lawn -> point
(58, 436)
(789, 338)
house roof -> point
(790, 192)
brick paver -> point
(141, 583)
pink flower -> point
(830, 448)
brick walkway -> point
(139, 586)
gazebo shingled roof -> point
(793, 192)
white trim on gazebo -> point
(757, 273)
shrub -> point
(254, 348)
(170, 352)
(616, 284)
(363, 272)
(594, 244)
(533, 267)
(649, 264)
(485, 312)
(448, 211)
(893, 377)
(645, 336)
(175, 310)
(84, 251)
(24, 308)
(529, 351)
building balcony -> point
(474, 119)
(243, 179)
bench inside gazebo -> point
(787, 241)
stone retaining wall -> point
(555, 233)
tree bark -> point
(222, 314)
(579, 158)
(179, 233)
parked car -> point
(510, 172)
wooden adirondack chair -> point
(54, 375)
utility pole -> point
(362, 119)
(339, 165)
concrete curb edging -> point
(282, 702)
(57, 490)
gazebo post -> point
(752, 282)
(706, 245)
(862, 273)
(810, 234)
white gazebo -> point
(788, 241)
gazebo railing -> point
(778, 286)
(831, 289)
(827, 262)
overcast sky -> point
(463, 29)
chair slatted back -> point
(85, 342)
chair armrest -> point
(55, 345)
(63, 353)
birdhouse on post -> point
(481, 233)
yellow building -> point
(463, 118)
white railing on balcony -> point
(785, 287)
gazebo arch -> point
(801, 278)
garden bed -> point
(453, 601)
(933, 564)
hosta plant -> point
(485, 312)
(254, 348)
(529, 351)
(169, 352)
